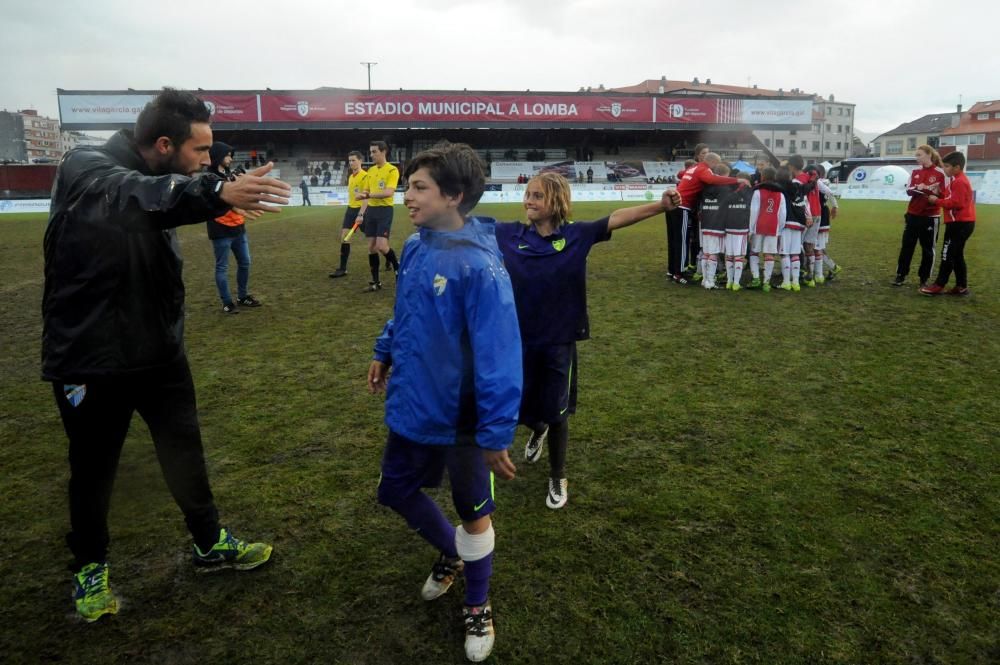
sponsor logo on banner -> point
(302, 108)
(211, 107)
(616, 109)
(6, 205)
(860, 175)
(676, 110)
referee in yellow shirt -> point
(356, 184)
(380, 186)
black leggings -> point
(558, 440)
(956, 234)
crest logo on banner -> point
(676, 110)
(616, 109)
(302, 108)
(211, 107)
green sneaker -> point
(796, 287)
(697, 277)
(755, 283)
(810, 283)
(92, 594)
(735, 287)
(836, 270)
(231, 552)
(766, 288)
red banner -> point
(232, 108)
(454, 108)
(687, 110)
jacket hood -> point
(477, 231)
(218, 152)
(122, 147)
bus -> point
(843, 171)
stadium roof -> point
(696, 87)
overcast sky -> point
(897, 60)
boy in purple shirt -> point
(547, 263)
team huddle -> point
(751, 220)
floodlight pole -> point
(369, 65)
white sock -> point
(737, 271)
(811, 261)
(828, 262)
(786, 269)
(818, 270)
(729, 270)
(755, 266)
(796, 269)
(768, 270)
(711, 264)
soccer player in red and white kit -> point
(810, 236)
(922, 216)
(689, 188)
(797, 218)
(959, 207)
(767, 221)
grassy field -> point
(754, 478)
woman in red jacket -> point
(922, 216)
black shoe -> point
(230, 308)
(899, 281)
(339, 272)
(248, 301)
(373, 286)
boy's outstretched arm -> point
(627, 216)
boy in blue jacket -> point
(452, 402)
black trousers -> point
(956, 234)
(96, 415)
(922, 230)
(677, 233)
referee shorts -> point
(350, 217)
(378, 221)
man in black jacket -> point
(113, 320)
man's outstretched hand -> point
(254, 191)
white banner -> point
(24, 205)
(777, 112)
(101, 108)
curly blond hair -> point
(555, 193)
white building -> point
(829, 138)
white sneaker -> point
(479, 635)
(557, 493)
(533, 449)
(442, 576)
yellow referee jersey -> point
(356, 184)
(380, 178)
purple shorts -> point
(408, 466)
